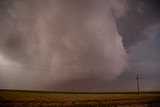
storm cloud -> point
(48, 42)
(75, 44)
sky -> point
(80, 45)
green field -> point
(15, 98)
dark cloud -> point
(140, 15)
(77, 45)
(139, 28)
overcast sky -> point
(80, 45)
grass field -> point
(15, 98)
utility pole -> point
(137, 78)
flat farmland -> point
(17, 98)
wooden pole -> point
(137, 78)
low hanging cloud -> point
(47, 42)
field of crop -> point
(10, 98)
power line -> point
(137, 78)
